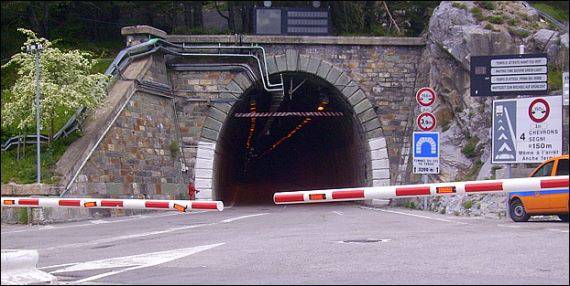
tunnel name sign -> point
(426, 153)
(524, 74)
(526, 130)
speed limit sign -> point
(425, 96)
(426, 121)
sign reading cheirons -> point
(527, 130)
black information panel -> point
(292, 21)
(509, 75)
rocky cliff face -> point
(457, 31)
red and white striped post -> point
(471, 187)
(176, 205)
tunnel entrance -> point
(258, 156)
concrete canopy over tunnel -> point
(245, 160)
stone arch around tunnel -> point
(377, 165)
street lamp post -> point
(36, 49)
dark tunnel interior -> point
(254, 160)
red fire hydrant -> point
(191, 192)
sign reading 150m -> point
(527, 130)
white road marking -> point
(506, 225)
(558, 230)
(338, 213)
(414, 215)
(91, 223)
(144, 234)
(241, 217)
(133, 262)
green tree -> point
(66, 84)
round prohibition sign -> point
(539, 110)
(425, 96)
(426, 121)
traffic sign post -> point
(565, 83)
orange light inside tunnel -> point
(320, 108)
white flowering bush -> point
(66, 84)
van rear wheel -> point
(517, 211)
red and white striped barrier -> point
(176, 205)
(387, 192)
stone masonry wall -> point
(134, 159)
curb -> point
(19, 267)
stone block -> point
(377, 143)
(217, 114)
(362, 106)
(281, 61)
(205, 153)
(204, 173)
(374, 133)
(228, 95)
(380, 164)
(371, 125)
(204, 194)
(342, 81)
(350, 89)
(203, 183)
(333, 75)
(381, 174)
(204, 163)
(207, 145)
(210, 134)
(303, 63)
(234, 87)
(271, 65)
(324, 69)
(243, 81)
(224, 107)
(379, 154)
(367, 115)
(313, 65)
(380, 183)
(292, 58)
(213, 124)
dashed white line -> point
(338, 213)
(509, 226)
(241, 217)
(414, 215)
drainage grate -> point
(364, 240)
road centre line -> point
(144, 234)
(414, 215)
(242, 217)
(338, 213)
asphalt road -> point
(332, 243)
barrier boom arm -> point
(471, 187)
(178, 205)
